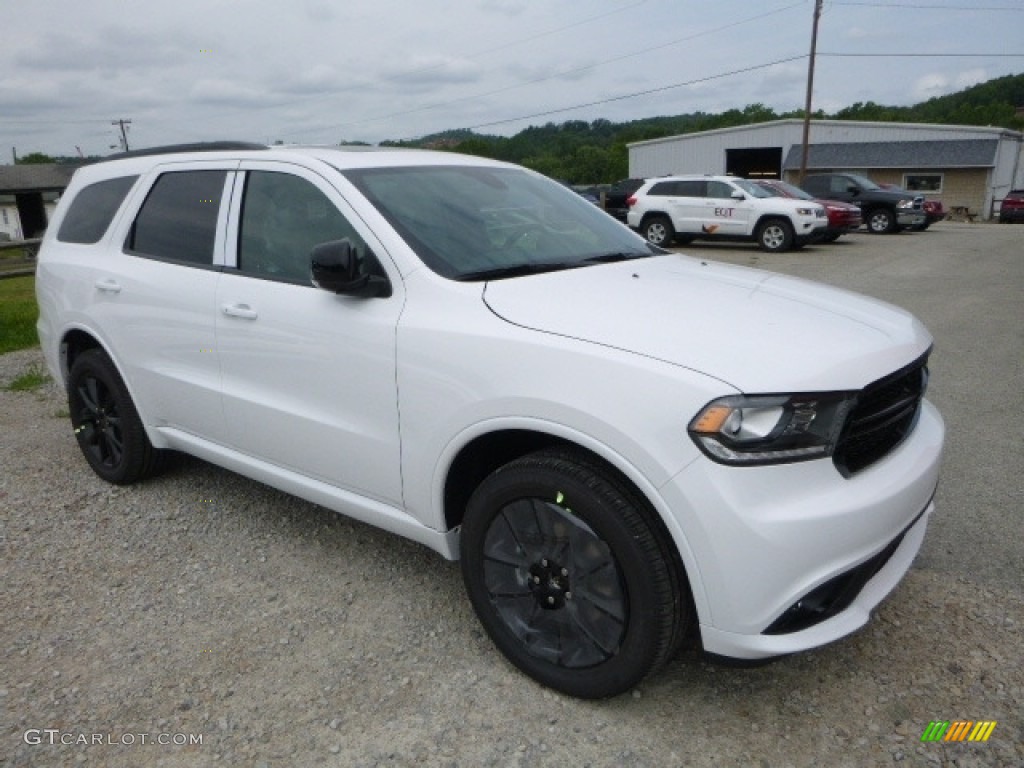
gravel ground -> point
(204, 605)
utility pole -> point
(810, 89)
(124, 133)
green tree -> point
(35, 158)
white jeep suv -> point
(684, 208)
(620, 444)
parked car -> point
(615, 200)
(842, 217)
(624, 447)
(884, 210)
(934, 210)
(1012, 207)
(685, 208)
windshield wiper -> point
(608, 258)
(517, 270)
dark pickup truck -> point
(884, 210)
(615, 199)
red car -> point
(842, 217)
(1012, 207)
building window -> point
(922, 182)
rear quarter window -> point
(93, 209)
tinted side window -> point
(178, 221)
(816, 185)
(692, 188)
(663, 189)
(719, 189)
(93, 209)
(283, 217)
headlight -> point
(905, 204)
(805, 211)
(771, 429)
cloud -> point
(506, 7)
(435, 69)
(935, 84)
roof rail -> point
(200, 146)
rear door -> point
(684, 202)
(155, 304)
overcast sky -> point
(323, 71)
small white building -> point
(28, 197)
(962, 166)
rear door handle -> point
(108, 285)
(240, 310)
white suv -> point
(620, 444)
(684, 208)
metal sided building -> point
(965, 167)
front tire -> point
(571, 576)
(107, 426)
(659, 231)
(881, 221)
(775, 235)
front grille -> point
(885, 413)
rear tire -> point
(659, 231)
(107, 426)
(570, 574)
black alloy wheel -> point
(570, 576)
(106, 424)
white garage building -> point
(965, 167)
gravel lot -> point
(202, 604)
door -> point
(722, 213)
(154, 296)
(683, 201)
(308, 375)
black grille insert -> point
(885, 413)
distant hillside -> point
(595, 152)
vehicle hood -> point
(836, 204)
(757, 331)
(887, 195)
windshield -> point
(751, 188)
(789, 190)
(472, 222)
(863, 181)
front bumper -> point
(763, 538)
(911, 218)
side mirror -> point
(737, 195)
(336, 267)
(853, 190)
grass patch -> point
(18, 313)
(31, 379)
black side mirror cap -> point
(335, 267)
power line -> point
(853, 4)
(928, 55)
(574, 71)
(640, 93)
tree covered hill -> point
(595, 152)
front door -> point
(308, 375)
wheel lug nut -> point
(551, 601)
(568, 595)
(536, 579)
(565, 571)
(544, 562)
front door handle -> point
(243, 311)
(107, 285)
